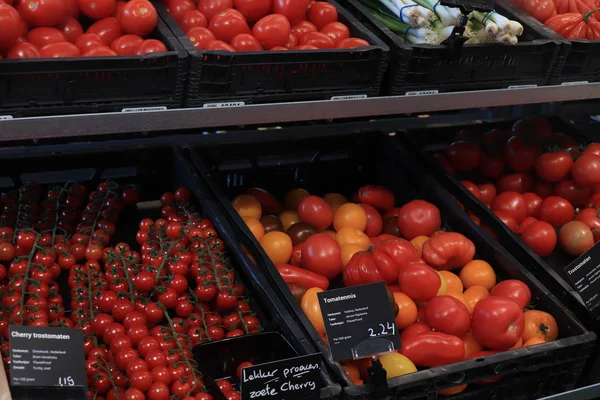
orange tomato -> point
(472, 346)
(478, 273)
(353, 373)
(310, 305)
(348, 235)
(453, 390)
(418, 243)
(462, 299)
(474, 294)
(408, 310)
(329, 232)
(453, 281)
(518, 345)
(350, 215)
(443, 285)
(257, 229)
(540, 325)
(335, 200)
(247, 206)
(288, 218)
(348, 251)
(293, 197)
(533, 342)
(278, 247)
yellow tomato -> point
(348, 235)
(257, 229)
(418, 243)
(351, 215)
(312, 309)
(396, 364)
(278, 246)
(247, 206)
(288, 218)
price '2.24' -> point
(383, 330)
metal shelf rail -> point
(68, 126)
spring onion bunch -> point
(492, 27)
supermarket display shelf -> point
(236, 114)
(584, 393)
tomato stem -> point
(588, 14)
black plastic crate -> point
(276, 76)
(415, 68)
(344, 163)
(155, 170)
(95, 84)
(579, 61)
(550, 269)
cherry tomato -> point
(534, 204)
(138, 17)
(556, 211)
(220, 45)
(507, 219)
(23, 51)
(193, 19)
(108, 29)
(319, 40)
(337, 31)
(512, 203)
(59, 50)
(302, 28)
(322, 13)
(305, 47)
(151, 46)
(253, 10)
(41, 37)
(291, 42)
(100, 51)
(227, 24)
(473, 188)
(272, 30)
(577, 196)
(178, 8)
(72, 29)
(201, 38)
(127, 45)
(210, 8)
(553, 167)
(43, 12)
(497, 322)
(97, 9)
(352, 43)
(246, 42)
(487, 191)
(519, 182)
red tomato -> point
(127, 45)
(100, 51)
(448, 315)
(497, 322)
(337, 31)
(322, 254)
(210, 8)
(227, 24)
(513, 289)
(534, 204)
(108, 29)
(139, 17)
(97, 9)
(556, 211)
(193, 19)
(41, 37)
(418, 218)
(23, 51)
(352, 43)
(447, 250)
(322, 13)
(293, 10)
(374, 221)
(494, 140)
(431, 349)
(575, 238)
(280, 48)
(219, 45)
(201, 38)
(540, 237)
(253, 10)
(245, 42)
(272, 30)
(526, 222)
(512, 203)
(118, 7)
(291, 42)
(464, 156)
(72, 29)
(487, 192)
(491, 166)
(43, 12)
(586, 171)
(302, 28)
(151, 46)
(590, 217)
(519, 182)
(537, 126)
(520, 155)
(419, 281)
(10, 27)
(319, 40)
(543, 189)
(178, 8)
(305, 47)
(554, 167)
(576, 195)
(88, 41)
(473, 188)
(59, 50)
(315, 211)
(377, 196)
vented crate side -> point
(277, 76)
(475, 66)
(95, 84)
(342, 164)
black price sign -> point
(46, 357)
(295, 378)
(584, 274)
(359, 321)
